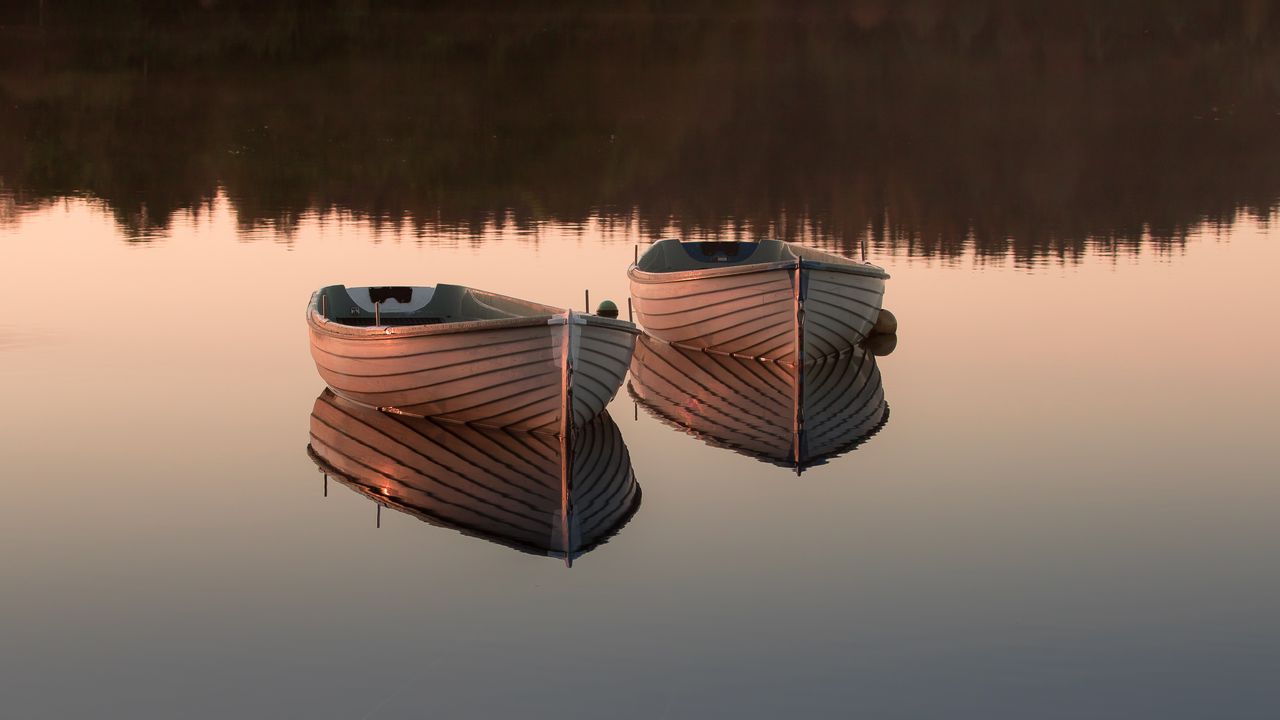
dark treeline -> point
(1045, 128)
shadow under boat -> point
(511, 488)
(790, 416)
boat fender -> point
(886, 323)
(881, 345)
(607, 309)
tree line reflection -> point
(1044, 129)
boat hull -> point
(787, 415)
(762, 312)
(502, 374)
(527, 491)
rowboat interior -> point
(673, 256)
(406, 305)
(680, 256)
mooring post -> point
(379, 520)
(377, 313)
(326, 484)
(636, 247)
(629, 317)
(586, 299)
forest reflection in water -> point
(1047, 130)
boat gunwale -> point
(654, 278)
(323, 325)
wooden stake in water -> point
(629, 317)
(586, 298)
(379, 520)
(377, 313)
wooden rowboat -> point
(527, 491)
(755, 299)
(787, 415)
(465, 355)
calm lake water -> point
(1071, 511)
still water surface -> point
(1070, 511)
(1072, 504)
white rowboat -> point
(760, 300)
(465, 355)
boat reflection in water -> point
(794, 417)
(538, 493)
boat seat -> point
(400, 294)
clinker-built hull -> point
(515, 373)
(778, 298)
